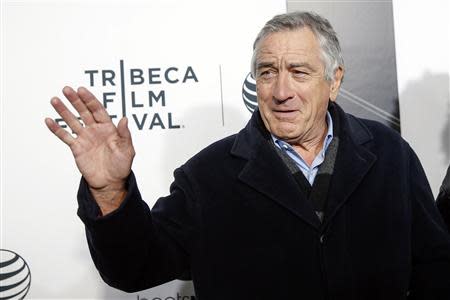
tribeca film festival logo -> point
(249, 93)
(15, 276)
(137, 93)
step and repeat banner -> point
(179, 70)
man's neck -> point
(309, 149)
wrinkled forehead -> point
(299, 44)
(305, 32)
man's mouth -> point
(288, 114)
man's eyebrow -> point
(264, 64)
(301, 65)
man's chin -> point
(285, 134)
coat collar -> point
(266, 172)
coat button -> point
(322, 239)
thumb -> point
(122, 128)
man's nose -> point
(282, 90)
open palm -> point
(103, 152)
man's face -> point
(291, 87)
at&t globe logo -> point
(249, 93)
(15, 276)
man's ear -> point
(336, 83)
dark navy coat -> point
(236, 223)
(443, 199)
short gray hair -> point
(326, 36)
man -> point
(306, 202)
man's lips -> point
(285, 113)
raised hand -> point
(103, 152)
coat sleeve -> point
(135, 248)
(430, 240)
(443, 199)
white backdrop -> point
(422, 41)
(49, 44)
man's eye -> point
(267, 74)
(299, 73)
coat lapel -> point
(266, 172)
(353, 161)
(351, 166)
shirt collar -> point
(280, 143)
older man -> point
(305, 202)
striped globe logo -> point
(15, 276)
(249, 93)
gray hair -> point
(326, 36)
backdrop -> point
(179, 71)
(174, 68)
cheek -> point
(264, 98)
(326, 90)
(263, 92)
(317, 97)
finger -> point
(79, 105)
(94, 106)
(68, 117)
(62, 134)
(122, 128)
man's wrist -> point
(109, 198)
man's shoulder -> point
(372, 130)
(214, 153)
(219, 147)
(213, 166)
(381, 140)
